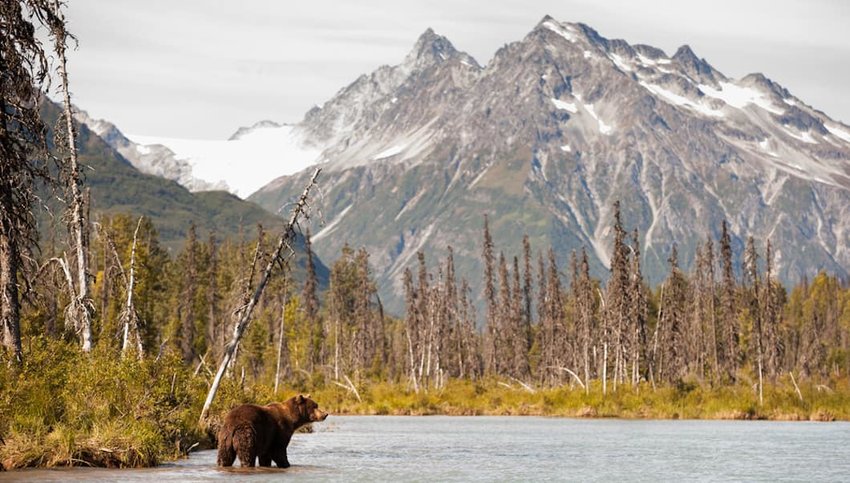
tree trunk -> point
(129, 317)
(82, 312)
(245, 315)
(281, 338)
(9, 304)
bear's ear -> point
(299, 398)
(307, 396)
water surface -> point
(443, 448)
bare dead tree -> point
(81, 305)
(411, 326)
(129, 317)
(245, 315)
(281, 337)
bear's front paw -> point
(284, 465)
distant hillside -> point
(118, 187)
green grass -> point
(66, 408)
(488, 397)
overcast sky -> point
(203, 68)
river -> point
(442, 448)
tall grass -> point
(66, 408)
(687, 401)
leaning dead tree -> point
(245, 314)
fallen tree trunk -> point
(245, 315)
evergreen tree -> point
(617, 303)
(187, 299)
(672, 358)
(489, 300)
(24, 68)
(311, 307)
(728, 319)
(520, 325)
(638, 315)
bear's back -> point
(248, 414)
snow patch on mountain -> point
(620, 62)
(678, 100)
(332, 225)
(562, 30)
(740, 96)
(838, 132)
(245, 162)
(604, 128)
(390, 152)
(566, 106)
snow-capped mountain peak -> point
(556, 128)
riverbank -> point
(66, 408)
(815, 402)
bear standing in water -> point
(250, 431)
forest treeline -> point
(538, 327)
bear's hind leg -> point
(247, 457)
(246, 447)
(226, 455)
(279, 457)
(265, 460)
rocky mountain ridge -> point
(549, 134)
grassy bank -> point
(686, 401)
(65, 408)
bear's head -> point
(307, 410)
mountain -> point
(118, 187)
(153, 158)
(549, 134)
(241, 164)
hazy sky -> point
(202, 68)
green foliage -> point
(63, 407)
(686, 400)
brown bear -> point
(250, 431)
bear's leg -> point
(226, 455)
(279, 457)
(245, 442)
(247, 457)
(265, 459)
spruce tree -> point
(489, 299)
(728, 319)
(310, 298)
(24, 68)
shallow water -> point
(443, 448)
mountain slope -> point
(554, 130)
(117, 187)
(152, 158)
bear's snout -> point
(319, 415)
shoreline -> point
(792, 417)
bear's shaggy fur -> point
(250, 431)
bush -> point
(63, 408)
